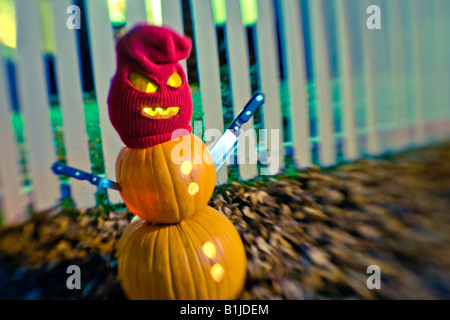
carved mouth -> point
(160, 112)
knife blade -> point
(227, 143)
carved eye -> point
(142, 83)
(175, 80)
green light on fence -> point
(117, 12)
(249, 10)
(154, 13)
(46, 20)
(7, 23)
(219, 9)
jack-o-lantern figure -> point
(178, 248)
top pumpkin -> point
(169, 182)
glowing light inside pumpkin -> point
(186, 167)
(193, 188)
(209, 249)
(217, 272)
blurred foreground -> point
(308, 235)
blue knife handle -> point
(60, 168)
(249, 110)
(102, 183)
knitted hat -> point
(149, 97)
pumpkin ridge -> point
(156, 153)
(133, 157)
(190, 252)
(230, 241)
(159, 243)
(228, 233)
(196, 240)
(220, 247)
(144, 203)
(145, 262)
(168, 176)
(138, 262)
(173, 185)
(136, 266)
(195, 250)
(152, 159)
(184, 261)
(151, 259)
(144, 160)
(171, 285)
(182, 193)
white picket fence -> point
(393, 84)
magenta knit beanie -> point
(149, 97)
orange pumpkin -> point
(201, 257)
(168, 182)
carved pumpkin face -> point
(167, 182)
(202, 257)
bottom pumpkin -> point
(202, 257)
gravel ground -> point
(308, 235)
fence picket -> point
(427, 67)
(136, 12)
(397, 56)
(369, 72)
(295, 72)
(35, 106)
(268, 67)
(441, 62)
(346, 72)
(12, 200)
(71, 103)
(327, 154)
(238, 64)
(172, 16)
(103, 59)
(445, 5)
(419, 130)
(208, 70)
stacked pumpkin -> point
(176, 247)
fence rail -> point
(335, 89)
